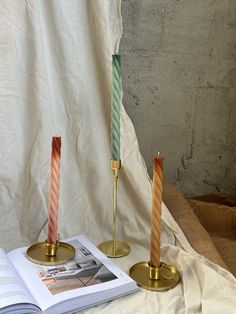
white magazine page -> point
(12, 290)
(89, 272)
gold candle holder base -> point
(50, 254)
(161, 278)
(114, 248)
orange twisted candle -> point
(54, 190)
(156, 210)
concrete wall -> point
(179, 77)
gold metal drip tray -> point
(168, 276)
(37, 254)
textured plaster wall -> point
(179, 82)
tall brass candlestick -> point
(154, 274)
(114, 248)
(157, 189)
(115, 166)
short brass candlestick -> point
(155, 275)
(114, 248)
(160, 278)
(50, 254)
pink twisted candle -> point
(156, 210)
(54, 190)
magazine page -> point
(88, 273)
(12, 290)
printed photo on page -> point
(84, 270)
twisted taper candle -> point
(157, 189)
(116, 98)
(54, 190)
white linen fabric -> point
(55, 78)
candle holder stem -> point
(51, 248)
(114, 248)
(115, 176)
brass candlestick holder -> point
(155, 275)
(50, 254)
(114, 248)
(160, 278)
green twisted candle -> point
(115, 112)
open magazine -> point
(87, 280)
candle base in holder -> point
(50, 254)
(161, 278)
(114, 248)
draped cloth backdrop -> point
(55, 78)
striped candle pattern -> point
(115, 112)
(54, 190)
(157, 188)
